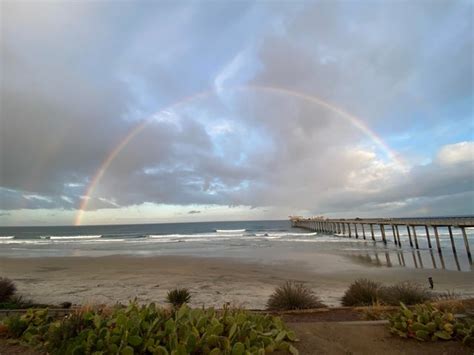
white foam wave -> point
(6, 237)
(23, 241)
(73, 237)
(285, 234)
(230, 230)
(196, 236)
(168, 236)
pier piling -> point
(382, 231)
(428, 236)
(342, 227)
(372, 231)
(415, 237)
(466, 243)
(438, 245)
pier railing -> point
(364, 228)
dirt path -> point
(339, 338)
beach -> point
(213, 281)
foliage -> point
(7, 289)
(18, 302)
(178, 296)
(374, 312)
(362, 292)
(465, 332)
(66, 305)
(448, 295)
(153, 330)
(426, 322)
(409, 293)
(293, 295)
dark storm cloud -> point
(77, 77)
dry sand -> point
(212, 281)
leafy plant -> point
(409, 293)
(178, 296)
(293, 295)
(362, 292)
(7, 289)
(465, 331)
(15, 325)
(18, 302)
(153, 330)
(374, 312)
(423, 323)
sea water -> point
(266, 241)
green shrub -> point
(178, 296)
(293, 295)
(153, 330)
(408, 293)
(7, 289)
(374, 312)
(426, 322)
(15, 325)
(18, 302)
(465, 332)
(362, 292)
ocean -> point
(263, 241)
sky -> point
(187, 111)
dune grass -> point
(293, 296)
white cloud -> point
(456, 153)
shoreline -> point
(212, 281)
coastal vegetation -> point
(7, 289)
(426, 322)
(149, 329)
(292, 296)
(9, 299)
(407, 292)
(364, 292)
(178, 296)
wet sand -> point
(212, 281)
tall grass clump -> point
(292, 296)
(178, 296)
(407, 292)
(362, 292)
(7, 289)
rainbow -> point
(353, 120)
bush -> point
(18, 302)
(409, 293)
(374, 312)
(362, 292)
(7, 289)
(178, 296)
(426, 322)
(152, 330)
(293, 295)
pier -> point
(389, 229)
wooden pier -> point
(390, 228)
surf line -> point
(356, 122)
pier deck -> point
(354, 226)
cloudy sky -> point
(192, 110)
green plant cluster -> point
(364, 292)
(178, 296)
(426, 322)
(292, 296)
(7, 289)
(9, 299)
(153, 330)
